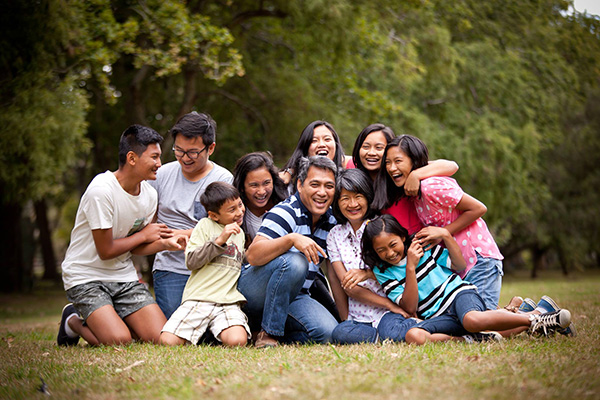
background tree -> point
(507, 89)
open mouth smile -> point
(394, 259)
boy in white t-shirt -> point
(214, 255)
(113, 220)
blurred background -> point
(508, 89)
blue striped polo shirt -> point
(438, 284)
(291, 216)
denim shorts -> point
(450, 322)
(486, 274)
(125, 297)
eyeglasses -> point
(192, 154)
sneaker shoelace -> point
(544, 321)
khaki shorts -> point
(192, 318)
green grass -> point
(519, 368)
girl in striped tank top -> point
(425, 283)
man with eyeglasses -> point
(179, 185)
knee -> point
(297, 266)
(473, 322)
(116, 339)
(169, 339)
(416, 336)
(234, 336)
(340, 333)
(238, 340)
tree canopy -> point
(507, 89)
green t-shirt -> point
(215, 269)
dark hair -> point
(386, 192)
(216, 194)
(136, 138)
(353, 180)
(194, 125)
(384, 223)
(362, 136)
(251, 162)
(304, 142)
(320, 162)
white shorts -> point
(192, 318)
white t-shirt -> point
(105, 204)
(179, 207)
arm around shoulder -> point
(471, 209)
(434, 168)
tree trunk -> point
(10, 247)
(539, 261)
(564, 264)
(138, 107)
(189, 91)
(45, 240)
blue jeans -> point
(394, 327)
(450, 322)
(391, 326)
(486, 274)
(351, 332)
(308, 321)
(168, 290)
(273, 292)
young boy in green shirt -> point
(214, 255)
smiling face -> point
(148, 162)
(389, 247)
(398, 165)
(316, 193)
(323, 143)
(353, 206)
(193, 169)
(258, 187)
(371, 151)
(231, 211)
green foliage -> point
(169, 37)
(505, 88)
(43, 136)
(43, 117)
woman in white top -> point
(368, 313)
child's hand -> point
(175, 243)
(154, 232)
(415, 252)
(431, 236)
(229, 230)
(354, 277)
(399, 310)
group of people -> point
(380, 245)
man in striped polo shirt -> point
(284, 261)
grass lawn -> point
(518, 368)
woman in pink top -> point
(441, 202)
(367, 156)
